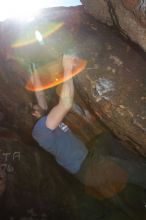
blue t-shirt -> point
(68, 150)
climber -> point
(106, 175)
(50, 132)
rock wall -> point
(127, 15)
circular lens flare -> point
(51, 75)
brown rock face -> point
(130, 4)
(114, 84)
(127, 15)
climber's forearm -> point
(59, 111)
(41, 99)
(67, 92)
(40, 95)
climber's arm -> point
(57, 113)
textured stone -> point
(115, 90)
(127, 15)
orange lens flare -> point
(52, 75)
(105, 179)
